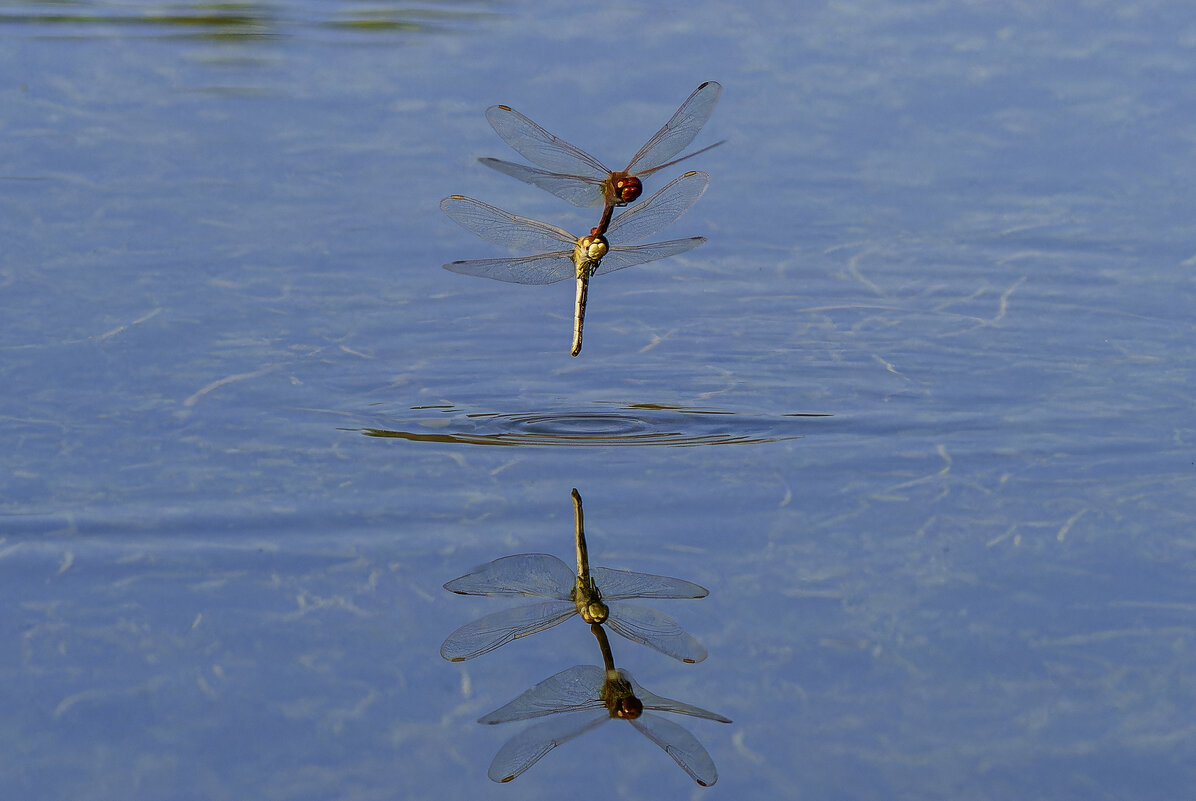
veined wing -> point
(540, 147)
(526, 748)
(573, 689)
(618, 584)
(503, 228)
(617, 258)
(661, 210)
(533, 270)
(522, 574)
(580, 190)
(495, 630)
(653, 701)
(679, 131)
(682, 746)
(655, 630)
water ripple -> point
(641, 424)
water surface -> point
(941, 336)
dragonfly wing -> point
(542, 148)
(679, 131)
(682, 746)
(526, 748)
(618, 584)
(617, 258)
(655, 630)
(504, 228)
(533, 270)
(578, 190)
(659, 211)
(523, 574)
(495, 630)
(573, 689)
(653, 701)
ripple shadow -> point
(641, 424)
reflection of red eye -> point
(630, 708)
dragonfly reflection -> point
(574, 175)
(594, 593)
(589, 696)
(560, 255)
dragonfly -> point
(574, 175)
(593, 593)
(561, 255)
(585, 697)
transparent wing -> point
(619, 258)
(661, 210)
(526, 748)
(573, 689)
(533, 270)
(653, 701)
(493, 631)
(542, 148)
(504, 228)
(577, 189)
(619, 584)
(679, 131)
(655, 630)
(682, 746)
(523, 574)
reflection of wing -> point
(525, 749)
(679, 131)
(484, 635)
(655, 630)
(522, 574)
(618, 258)
(540, 147)
(653, 701)
(618, 584)
(682, 746)
(577, 189)
(573, 689)
(520, 234)
(661, 210)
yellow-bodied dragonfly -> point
(560, 255)
(594, 593)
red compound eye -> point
(628, 189)
(630, 708)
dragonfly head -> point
(619, 698)
(594, 246)
(629, 708)
(589, 601)
(589, 252)
(594, 612)
(626, 188)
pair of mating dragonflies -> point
(585, 696)
(574, 175)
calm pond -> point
(918, 415)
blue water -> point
(918, 414)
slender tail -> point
(579, 531)
(579, 314)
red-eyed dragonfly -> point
(574, 175)
(560, 255)
(585, 697)
(594, 593)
